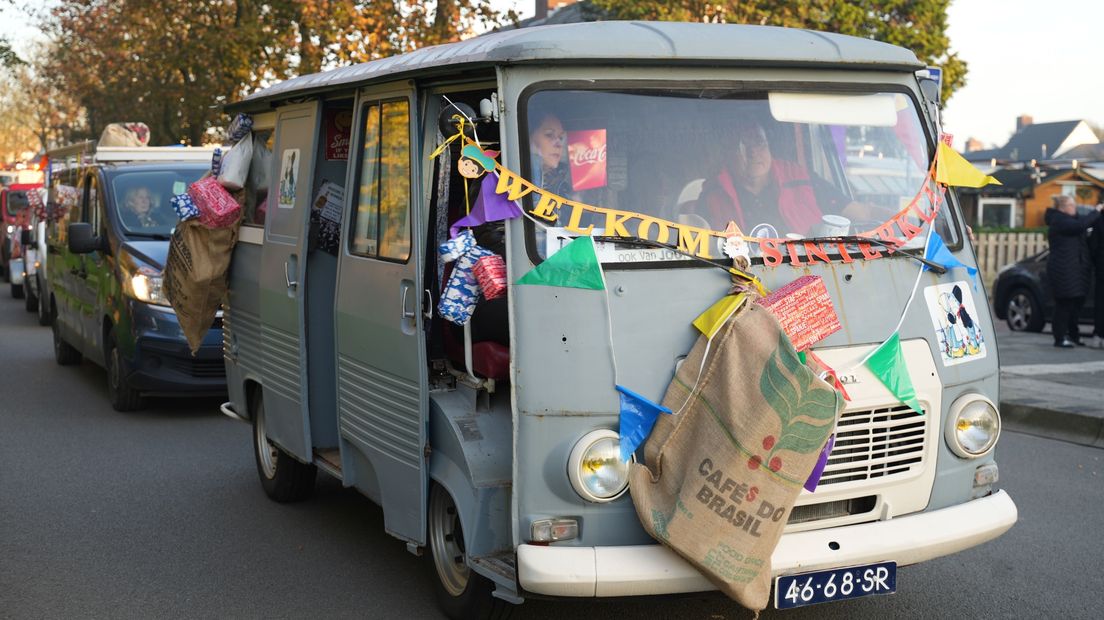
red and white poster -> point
(339, 124)
(586, 150)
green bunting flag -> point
(888, 365)
(574, 266)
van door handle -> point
(287, 277)
(407, 314)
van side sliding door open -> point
(380, 346)
(282, 285)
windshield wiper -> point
(934, 266)
(154, 236)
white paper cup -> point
(834, 226)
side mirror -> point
(25, 237)
(81, 240)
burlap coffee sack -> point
(722, 476)
(196, 272)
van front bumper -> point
(655, 569)
(162, 363)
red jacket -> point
(797, 205)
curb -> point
(1076, 428)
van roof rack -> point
(89, 152)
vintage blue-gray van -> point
(492, 447)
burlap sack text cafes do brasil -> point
(721, 476)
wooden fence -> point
(995, 250)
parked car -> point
(107, 252)
(1022, 297)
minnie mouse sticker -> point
(958, 336)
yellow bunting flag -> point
(953, 169)
(710, 321)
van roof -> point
(626, 42)
(119, 154)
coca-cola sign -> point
(586, 150)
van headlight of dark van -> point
(144, 284)
(972, 426)
(595, 468)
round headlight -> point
(973, 426)
(595, 468)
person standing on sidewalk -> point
(1069, 267)
(1096, 247)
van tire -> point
(43, 309)
(283, 478)
(122, 396)
(30, 300)
(17, 291)
(461, 592)
(64, 353)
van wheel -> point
(283, 478)
(17, 291)
(43, 310)
(122, 396)
(461, 592)
(30, 300)
(1024, 312)
(64, 353)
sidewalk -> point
(1057, 393)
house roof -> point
(624, 42)
(1085, 152)
(1027, 143)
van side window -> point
(381, 221)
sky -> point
(1042, 59)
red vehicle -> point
(15, 209)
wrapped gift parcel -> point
(456, 247)
(805, 311)
(490, 271)
(217, 208)
(462, 291)
(239, 128)
(185, 207)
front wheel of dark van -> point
(122, 396)
(283, 478)
(64, 353)
(461, 592)
(43, 307)
(30, 300)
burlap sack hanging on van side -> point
(196, 272)
(721, 476)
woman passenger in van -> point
(753, 188)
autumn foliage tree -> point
(919, 25)
(173, 64)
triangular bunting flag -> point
(888, 365)
(822, 461)
(574, 266)
(489, 207)
(937, 252)
(953, 169)
(638, 416)
(710, 321)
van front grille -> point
(876, 443)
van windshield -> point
(17, 202)
(776, 164)
(142, 197)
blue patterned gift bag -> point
(462, 291)
(184, 206)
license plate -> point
(834, 585)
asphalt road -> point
(159, 514)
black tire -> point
(30, 300)
(44, 317)
(122, 396)
(283, 478)
(17, 291)
(1023, 311)
(461, 593)
(64, 353)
